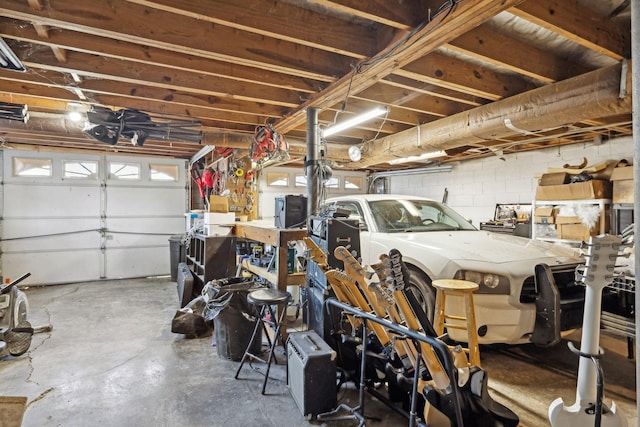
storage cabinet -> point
(211, 257)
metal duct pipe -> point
(594, 94)
(635, 70)
(311, 164)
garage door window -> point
(80, 169)
(277, 179)
(24, 166)
(127, 171)
(353, 182)
(163, 172)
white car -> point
(528, 291)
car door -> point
(357, 212)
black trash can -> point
(176, 254)
(234, 319)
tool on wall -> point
(268, 144)
(200, 182)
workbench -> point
(279, 239)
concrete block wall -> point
(476, 186)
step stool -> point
(463, 288)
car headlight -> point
(489, 283)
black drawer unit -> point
(311, 365)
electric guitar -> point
(588, 408)
(478, 408)
(358, 283)
(346, 288)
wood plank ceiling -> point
(471, 77)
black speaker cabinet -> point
(311, 365)
(290, 212)
(329, 233)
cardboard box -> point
(574, 232)
(218, 204)
(544, 215)
(622, 173)
(577, 231)
(218, 218)
(623, 188)
(594, 189)
(568, 220)
(554, 178)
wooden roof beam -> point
(302, 27)
(578, 24)
(495, 48)
(104, 46)
(129, 22)
(464, 16)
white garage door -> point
(70, 218)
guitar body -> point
(582, 414)
(478, 407)
(599, 267)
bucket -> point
(233, 331)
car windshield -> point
(398, 216)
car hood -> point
(483, 246)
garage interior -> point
(149, 146)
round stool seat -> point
(268, 296)
(455, 285)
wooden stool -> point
(463, 288)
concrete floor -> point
(111, 360)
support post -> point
(311, 164)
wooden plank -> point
(461, 76)
(279, 20)
(498, 49)
(129, 22)
(579, 24)
(104, 46)
(293, 279)
(447, 26)
(153, 75)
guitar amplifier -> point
(290, 212)
(311, 366)
(328, 234)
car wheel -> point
(420, 287)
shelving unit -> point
(205, 257)
(279, 239)
(621, 217)
(601, 203)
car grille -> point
(564, 276)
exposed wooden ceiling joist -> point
(234, 65)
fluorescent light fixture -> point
(354, 121)
(8, 59)
(420, 158)
(75, 113)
